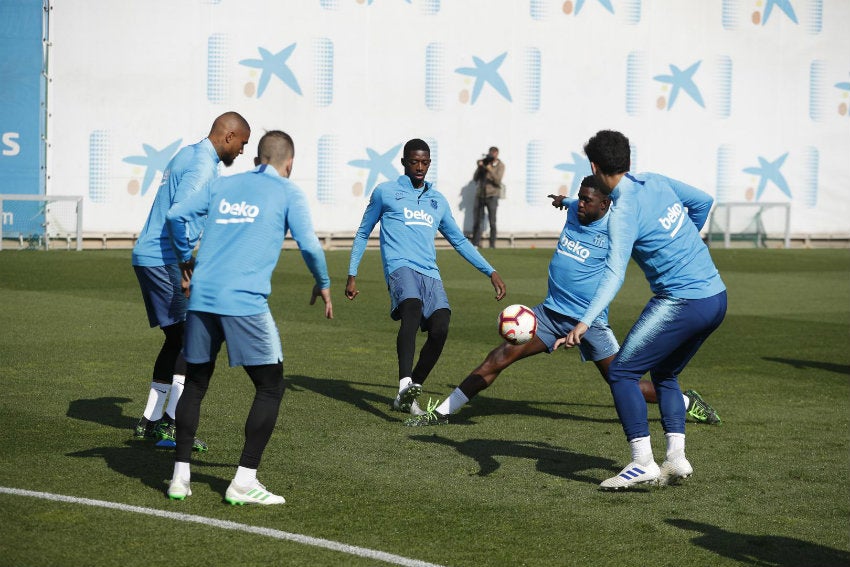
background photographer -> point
(489, 179)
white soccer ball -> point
(517, 324)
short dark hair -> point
(415, 145)
(610, 151)
(591, 182)
(275, 146)
(492, 148)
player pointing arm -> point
(572, 282)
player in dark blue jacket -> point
(656, 221)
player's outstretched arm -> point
(498, 285)
(559, 201)
(351, 290)
(325, 294)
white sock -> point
(404, 383)
(156, 400)
(181, 471)
(245, 477)
(176, 392)
(453, 403)
(675, 443)
(641, 450)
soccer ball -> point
(517, 324)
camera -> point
(487, 159)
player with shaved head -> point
(156, 267)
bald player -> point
(156, 267)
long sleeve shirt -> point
(410, 219)
(577, 265)
(248, 216)
(656, 220)
(189, 171)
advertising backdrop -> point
(746, 99)
(22, 109)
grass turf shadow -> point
(152, 465)
(106, 411)
(364, 399)
(751, 549)
(816, 364)
(550, 459)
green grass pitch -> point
(514, 481)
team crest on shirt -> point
(434, 204)
(599, 240)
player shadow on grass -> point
(105, 411)
(152, 465)
(488, 405)
(378, 405)
(345, 391)
(752, 549)
(550, 459)
(806, 364)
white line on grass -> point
(224, 524)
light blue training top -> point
(410, 219)
(188, 171)
(248, 215)
(656, 220)
(577, 265)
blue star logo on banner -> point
(605, 4)
(784, 5)
(681, 80)
(769, 171)
(273, 64)
(153, 161)
(580, 168)
(486, 73)
(378, 164)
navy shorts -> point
(161, 289)
(668, 334)
(252, 340)
(598, 342)
(410, 284)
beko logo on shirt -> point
(573, 249)
(418, 217)
(675, 217)
(239, 212)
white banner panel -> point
(746, 99)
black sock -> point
(472, 385)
